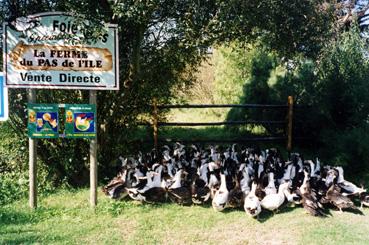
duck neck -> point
(223, 184)
(271, 180)
(282, 188)
(299, 163)
(340, 178)
(157, 177)
(204, 173)
(260, 169)
(317, 166)
(312, 169)
(149, 176)
(253, 188)
(177, 180)
(287, 174)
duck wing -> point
(340, 201)
(236, 198)
(200, 195)
(181, 195)
(348, 188)
(364, 199)
(220, 200)
(311, 204)
(252, 205)
(155, 194)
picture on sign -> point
(80, 121)
(43, 121)
(49, 50)
(3, 100)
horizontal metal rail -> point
(251, 139)
(222, 106)
(218, 123)
(214, 141)
(211, 123)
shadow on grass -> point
(12, 217)
(25, 237)
(13, 231)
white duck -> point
(348, 188)
(287, 174)
(178, 193)
(213, 180)
(245, 181)
(273, 201)
(270, 188)
(203, 172)
(221, 195)
(252, 203)
(314, 168)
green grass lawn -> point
(66, 218)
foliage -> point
(348, 148)
(334, 87)
(256, 89)
(14, 167)
(161, 42)
(232, 68)
(160, 46)
(291, 27)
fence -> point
(289, 107)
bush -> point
(14, 167)
(349, 149)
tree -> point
(161, 44)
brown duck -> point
(309, 199)
(338, 200)
(178, 193)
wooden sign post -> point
(32, 159)
(290, 123)
(93, 160)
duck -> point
(338, 200)
(245, 179)
(364, 199)
(221, 195)
(270, 188)
(199, 189)
(272, 202)
(347, 187)
(236, 196)
(149, 193)
(251, 204)
(214, 182)
(309, 199)
(178, 193)
(287, 173)
(115, 189)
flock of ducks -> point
(234, 177)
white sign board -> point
(3, 99)
(49, 50)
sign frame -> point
(55, 84)
(4, 99)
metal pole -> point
(93, 160)
(289, 126)
(32, 160)
(155, 123)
